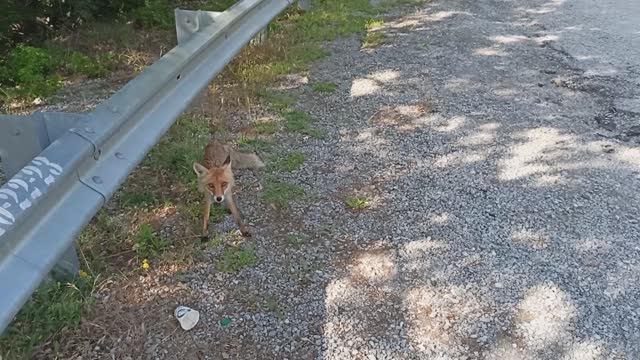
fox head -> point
(216, 180)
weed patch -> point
(29, 72)
(265, 127)
(290, 162)
(182, 147)
(325, 87)
(147, 243)
(281, 193)
(373, 39)
(235, 259)
(301, 122)
(294, 241)
(357, 203)
(136, 199)
(272, 304)
(53, 306)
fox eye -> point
(224, 184)
(211, 187)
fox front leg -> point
(206, 210)
(236, 215)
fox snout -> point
(218, 199)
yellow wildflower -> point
(145, 264)
(83, 274)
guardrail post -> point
(24, 137)
(189, 22)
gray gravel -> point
(504, 210)
(503, 176)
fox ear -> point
(227, 161)
(199, 169)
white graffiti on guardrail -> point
(22, 189)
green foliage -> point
(77, 63)
(136, 198)
(253, 145)
(53, 306)
(265, 127)
(235, 259)
(278, 101)
(213, 5)
(373, 39)
(147, 243)
(155, 13)
(33, 21)
(301, 122)
(182, 146)
(357, 203)
(281, 193)
(29, 72)
(290, 162)
(326, 87)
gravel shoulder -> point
(502, 219)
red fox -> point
(215, 180)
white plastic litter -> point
(187, 317)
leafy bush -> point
(27, 72)
(154, 13)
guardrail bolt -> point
(89, 130)
(97, 179)
(119, 155)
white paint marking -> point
(7, 215)
(20, 182)
(11, 193)
(34, 169)
(49, 179)
(36, 194)
(25, 204)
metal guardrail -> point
(64, 167)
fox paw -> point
(245, 232)
(204, 238)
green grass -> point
(194, 210)
(272, 304)
(136, 199)
(301, 122)
(357, 203)
(279, 102)
(281, 193)
(373, 39)
(373, 24)
(296, 39)
(325, 87)
(148, 244)
(289, 162)
(235, 259)
(154, 13)
(265, 127)
(181, 147)
(296, 121)
(29, 72)
(294, 241)
(54, 306)
(253, 145)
